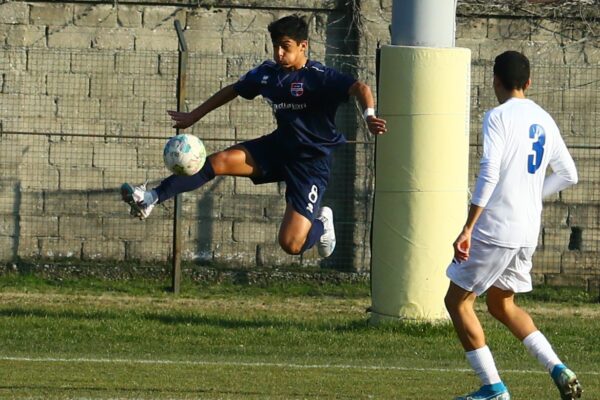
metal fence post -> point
(181, 83)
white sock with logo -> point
(482, 362)
(540, 348)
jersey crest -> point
(296, 89)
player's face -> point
(290, 54)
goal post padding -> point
(421, 183)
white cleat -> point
(326, 243)
(139, 199)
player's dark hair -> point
(293, 26)
(512, 69)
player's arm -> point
(489, 175)
(363, 94)
(564, 172)
(186, 119)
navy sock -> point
(176, 184)
(315, 232)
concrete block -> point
(489, 49)
(503, 29)
(116, 175)
(235, 254)
(114, 39)
(80, 178)
(201, 205)
(244, 206)
(7, 248)
(13, 59)
(555, 215)
(255, 232)
(249, 20)
(48, 60)
(93, 61)
(121, 108)
(152, 87)
(103, 250)
(543, 52)
(150, 154)
(110, 85)
(62, 84)
(26, 106)
(14, 12)
(18, 82)
(208, 20)
(8, 225)
(272, 255)
(168, 64)
(114, 155)
(76, 153)
(28, 247)
(43, 178)
(96, 15)
(26, 36)
(584, 215)
(244, 186)
(555, 238)
(470, 28)
(84, 126)
(129, 16)
(87, 227)
(148, 250)
(546, 262)
(155, 110)
(207, 232)
(584, 192)
(39, 226)
(59, 14)
(62, 203)
(60, 248)
(245, 43)
(71, 37)
(141, 63)
(156, 40)
(163, 17)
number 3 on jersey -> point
(534, 160)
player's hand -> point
(182, 120)
(376, 125)
(462, 245)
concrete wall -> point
(99, 75)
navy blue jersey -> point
(304, 102)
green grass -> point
(131, 339)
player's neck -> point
(298, 65)
(513, 94)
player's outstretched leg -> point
(140, 200)
(566, 382)
(496, 391)
(326, 243)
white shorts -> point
(490, 265)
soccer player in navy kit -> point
(304, 95)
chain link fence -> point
(76, 123)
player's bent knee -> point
(289, 245)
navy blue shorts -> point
(306, 179)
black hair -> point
(293, 26)
(512, 69)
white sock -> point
(150, 197)
(540, 348)
(482, 362)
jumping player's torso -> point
(304, 102)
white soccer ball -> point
(184, 154)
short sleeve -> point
(337, 84)
(248, 86)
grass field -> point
(132, 340)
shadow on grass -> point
(233, 322)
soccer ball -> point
(184, 154)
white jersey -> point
(520, 140)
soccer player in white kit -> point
(494, 250)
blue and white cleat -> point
(497, 391)
(139, 199)
(566, 382)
